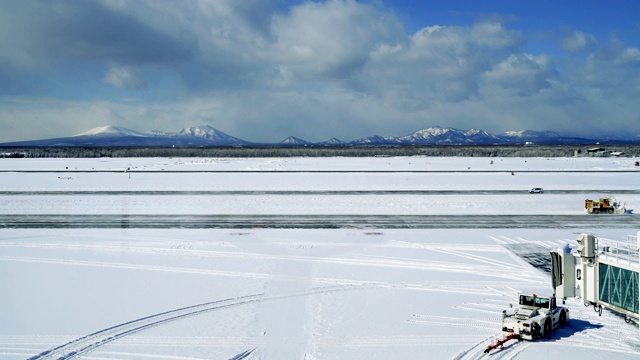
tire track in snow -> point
(449, 321)
(100, 338)
(136, 267)
(356, 261)
(508, 351)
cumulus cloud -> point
(125, 77)
(437, 64)
(519, 75)
(577, 41)
(331, 39)
(317, 69)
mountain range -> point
(205, 135)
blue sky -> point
(264, 70)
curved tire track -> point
(95, 340)
(509, 351)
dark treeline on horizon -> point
(313, 151)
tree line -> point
(312, 151)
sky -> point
(265, 70)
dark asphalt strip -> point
(167, 221)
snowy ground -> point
(256, 293)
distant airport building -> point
(597, 152)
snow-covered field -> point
(259, 293)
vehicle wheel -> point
(547, 327)
(610, 211)
(595, 211)
(563, 318)
(535, 329)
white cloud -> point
(437, 64)
(331, 39)
(519, 75)
(578, 41)
(126, 77)
(316, 70)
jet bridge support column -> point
(587, 269)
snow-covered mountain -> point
(294, 141)
(111, 130)
(331, 142)
(371, 140)
(445, 136)
(205, 135)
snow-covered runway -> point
(359, 292)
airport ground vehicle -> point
(606, 205)
(536, 191)
(535, 317)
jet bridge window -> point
(579, 274)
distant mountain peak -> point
(531, 134)
(111, 130)
(440, 135)
(210, 133)
(371, 140)
(333, 141)
(206, 135)
(204, 131)
(292, 140)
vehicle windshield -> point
(532, 300)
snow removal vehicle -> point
(606, 205)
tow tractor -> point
(534, 318)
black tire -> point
(610, 211)
(535, 329)
(547, 327)
(595, 211)
(563, 318)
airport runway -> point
(167, 221)
(314, 192)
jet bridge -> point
(603, 273)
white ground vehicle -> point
(536, 191)
(535, 317)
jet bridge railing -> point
(628, 251)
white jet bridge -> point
(601, 272)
